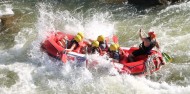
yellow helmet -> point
(113, 47)
(78, 38)
(117, 45)
(101, 38)
(95, 43)
(81, 34)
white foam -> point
(6, 11)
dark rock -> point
(153, 2)
(115, 1)
(145, 2)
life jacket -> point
(149, 48)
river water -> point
(26, 69)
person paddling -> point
(148, 43)
(75, 42)
(102, 43)
(116, 53)
(113, 52)
(65, 41)
(93, 48)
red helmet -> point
(152, 34)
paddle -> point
(166, 57)
(115, 39)
(64, 57)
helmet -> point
(95, 43)
(81, 34)
(113, 47)
(152, 34)
(78, 38)
(117, 45)
(101, 38)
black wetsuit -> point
(144, 50)
(114, 54)
(73, 42)
(103, 46)
(94, 50)
(66, 42)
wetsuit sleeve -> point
(116, 56)
(157, 45)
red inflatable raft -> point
(143, 64)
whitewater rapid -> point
(25, 68)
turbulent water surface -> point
(26, 69)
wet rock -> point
(7, 22)
(153, 2)
(145, 2)
(6, 14)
